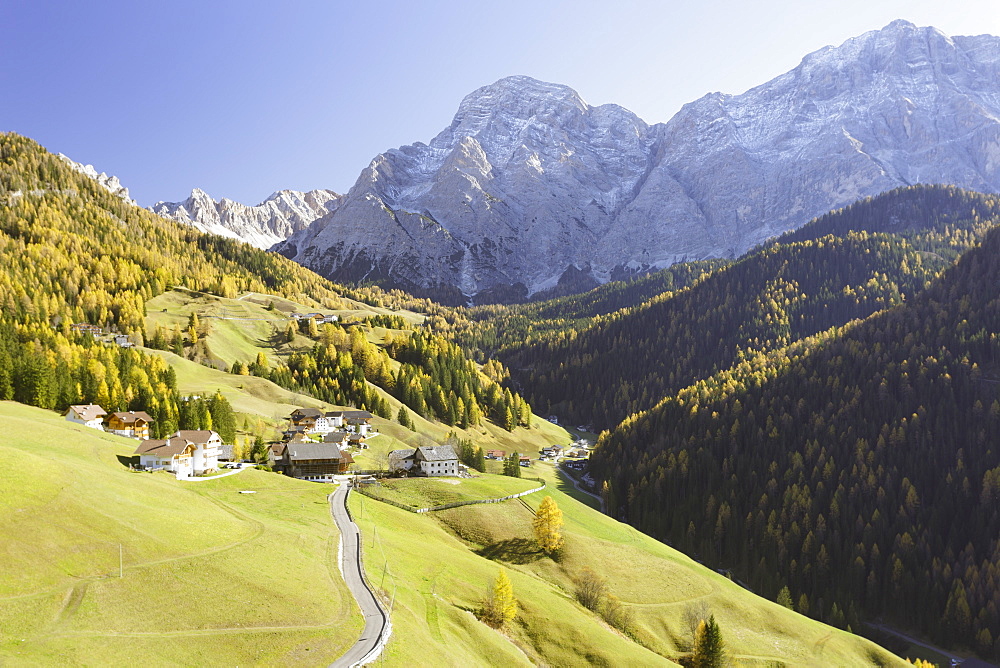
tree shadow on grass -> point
(513, 551)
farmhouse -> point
(89, 415)
(496, 454)
(186, 452)
(134, 424)
(357, 421)
(430, 460)
(338, 438)
(313, 461)
(305, 417)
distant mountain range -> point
(531, 190)
(273, 220)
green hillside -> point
(438, 566)
(210, 576)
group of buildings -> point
(186, 452)
(301, 457)
(192, 452)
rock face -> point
(530, 185)
(271, 221)
(109, 183)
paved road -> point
(377, 626)
(581, 489)
(955, 659)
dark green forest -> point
(859, 467)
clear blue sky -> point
(242, 98)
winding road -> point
(377, 626)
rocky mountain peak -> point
(109, 183)
(530, 188)
(275, 219)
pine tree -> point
(709, 650)
(785, 598)
(548, 524)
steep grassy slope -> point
(438, 567)
(211, 576)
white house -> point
(89, 415)
(428, 460)
(186, 452)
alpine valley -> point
(775, 319)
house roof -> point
(355, 437)
(193, 435)
(88, 412)
(436, 453)
(336, 437)
(300, 451)
(161, 448)
(308, 412)
(278, 449)
(351, 415)
(502, 453)
(130, 417)
(299, 437)
(401, 454)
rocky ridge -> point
(109, 183)
(273, 220)
(530, 186)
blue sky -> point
(244, 98)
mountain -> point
(530, 185)
(271, 221)
(109, 183)
(860, 468)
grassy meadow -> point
(210, 576)
(437, 567)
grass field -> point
(440, 564)
(210, 576)
(427, 492)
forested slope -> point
(861, 468)
(71, 252)
(803, 284)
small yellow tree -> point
(547, 524)
(500, 606)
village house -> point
(360, 422)
(89, 415)
(357, 441)
(338, 438)
(427, 460)
(187, 452)
(305, 418)
(133, 424)
(318, 462)
(123, 341)
(496, 454)
(524, 460)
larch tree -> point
(548, 525)
(500, 606)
